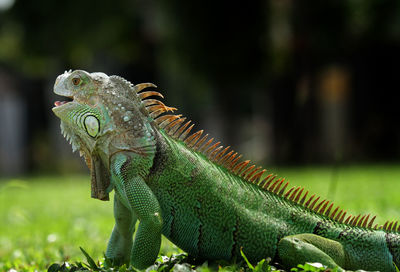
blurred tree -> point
(252, 72)
(12, 139)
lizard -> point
(200, 194)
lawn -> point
(45, 219)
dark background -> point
(284, 82)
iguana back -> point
(211, 212)
(199, 194)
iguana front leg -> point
(127, 170)
(120, 244)
(302, 248)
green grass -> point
(46, 219)
(359, 189)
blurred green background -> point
(287, 83)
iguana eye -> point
(92, 125)
(76, 81)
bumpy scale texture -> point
(199, 194)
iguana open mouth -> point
(60, 103)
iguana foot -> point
(302, 248)
(119, 249)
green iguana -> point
(198, 193)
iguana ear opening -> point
(100, 179)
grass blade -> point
(91, 262)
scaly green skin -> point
(201, 206)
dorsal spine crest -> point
(176, 127)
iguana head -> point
(83, 120)
(105, 115)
